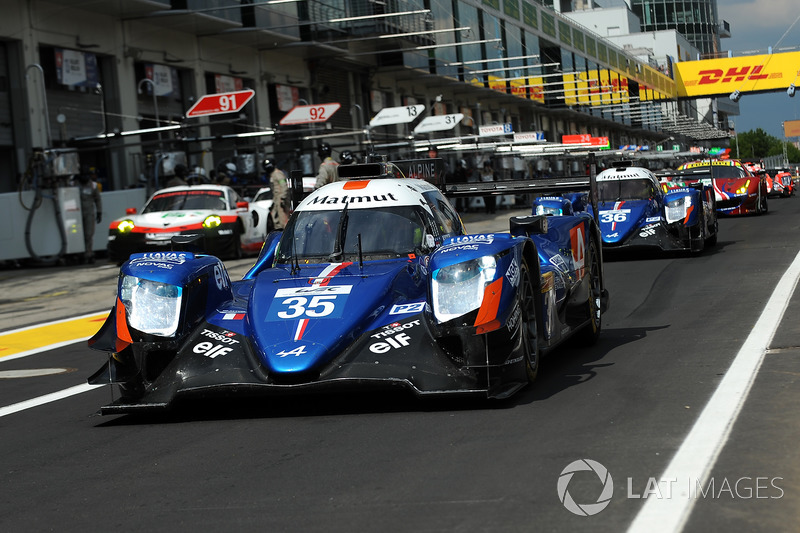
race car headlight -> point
(458, 289)
(676, 209)
(547, 210)
(125, 226)
(743, 189)
(152, 306)
(212, 221)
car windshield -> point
(325, 236)
(186, 201)
(616, 190)
(264, 194)
(725, 172)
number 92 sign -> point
(304, 114)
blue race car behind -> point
(634, 211)
(374, 283)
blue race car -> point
(635, 211)
(373, 283)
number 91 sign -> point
(214, 104)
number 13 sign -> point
(304, 114)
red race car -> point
(737, 190)
(782, 182)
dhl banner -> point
(536, 89)
(708, 77)
(587, 88)
(518, 87)
(570, 89)
(496, 83)
(605, 86)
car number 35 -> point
(300, 306)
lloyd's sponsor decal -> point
(161, 259)
(473, 239)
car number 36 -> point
(300, 306)
(611, 216)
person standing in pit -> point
(281, 195)
(91, 210)
(328, 169)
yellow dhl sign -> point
(709, 77)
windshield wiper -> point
(341, 234)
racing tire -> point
(711, 241)
(528, 328)
(236, 252)
(589, 335)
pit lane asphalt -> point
(379, 462)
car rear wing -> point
(538, 186)
(689, 173)
(433, 170)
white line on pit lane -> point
(47, 398)
(698, 453)
(52, 397)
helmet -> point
(346, 157)
(324, 150)
(230, 167)
(269, 166)
(181, 170)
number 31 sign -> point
(304, 114)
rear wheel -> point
(528, 327)
(591, 332)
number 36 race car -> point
(635, 212)
(373, 284)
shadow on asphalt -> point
(612, 256)
(570, 365)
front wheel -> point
(591, 332)
(528, 328)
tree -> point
(758, 144)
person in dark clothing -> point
(488, 175)
(461, 175)
(91, 210)
(180, 176)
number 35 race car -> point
(373, 284)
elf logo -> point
(390, 343)
(211, 350)
(718, 75)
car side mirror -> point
(242, 205)
(430, 242)
(130, 211)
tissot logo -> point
(711, 76)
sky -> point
(755, 26)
